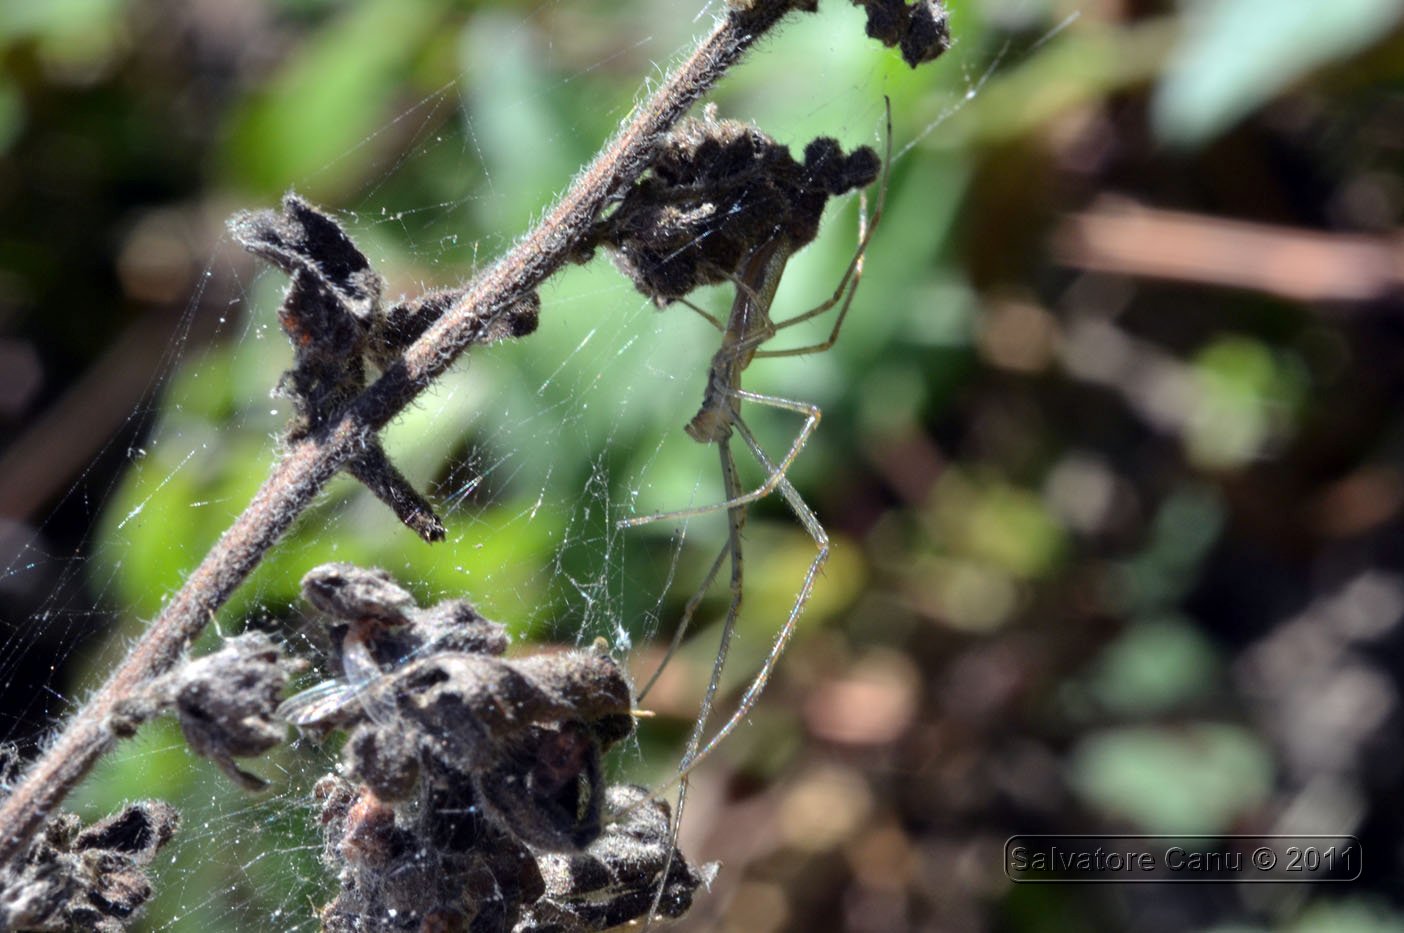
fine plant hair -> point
(334, 302)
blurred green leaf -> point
(1154, 666)
(1246, 397)
(172, 507)
(76, 39)
(1349, 915)
(1192, 779)
(58, 20)
(1078, 68)
(996, 523)
(1186, 527)
(11, 114)
(316, 124)
(1235, 55)
(522, 138)
(127, 775)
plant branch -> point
(310, 462)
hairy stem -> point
(309, 463)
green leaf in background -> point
(1339, 915)
(1189, 779)
(11, 114)
(316, 125)
(1235, 55)
(1348, 915)
(1247, 399)
(57, 20)
(74, 38)
(1184, 530)
(1153, 666)
(507, 94)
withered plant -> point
(470, 795)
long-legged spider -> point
(748, 327)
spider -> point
(749, 326)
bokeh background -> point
(1110, 450)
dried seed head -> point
(456, 625)
(478, 709)
(331, 305)
(385, 759)
(86, 879)
(369, 835)
(406, 322)
(397, 866)
(226, 702)
(332, 314)
(719, 190)
(615, 880)
(444, 920)
(345, 591)
(312, 248)
(479, 768)
(921, 29)
(546, 787)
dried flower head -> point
(921, 29)
(718, 191)
(90, 879)
(616, 879)
(333, 316)
(463, 768)
(226, 702)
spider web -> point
(532, 450)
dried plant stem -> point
(309, 463)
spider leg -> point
(748, 701)
(848, 284)
(707, 315)
(688, 612)
(736, 523)
(773, 481)
(744, 348)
